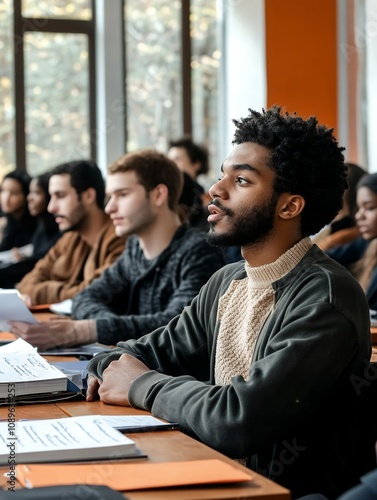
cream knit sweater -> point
(244, 308)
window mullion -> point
(186, 67)
(19, 87)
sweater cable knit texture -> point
(243, 310)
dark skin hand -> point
(116, 381)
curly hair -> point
(306, 158)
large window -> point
(47, 63)
(172, 72)
(48, 79)
(57, 118)
(205, 76)
(153, 71)
(7, 132)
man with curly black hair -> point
(262, 365)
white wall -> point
(370, 37)
(343, 114)
(111, 113)
(244, 62)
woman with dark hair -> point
(343, 228)
(360, 255)
(16, 225)
(45, 235)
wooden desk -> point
(33, 411)
(163, 446)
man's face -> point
(183, 161)
(129, 205)
(65, 204)
(243, 201)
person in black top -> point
(45, 235)
(360, 255)
(17, 225)
(343, 229)
(193, 160)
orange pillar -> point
(301, 57)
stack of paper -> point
(65, 439)
(23, 372)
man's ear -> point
(89, 196)
(291, 205)
(160, 194)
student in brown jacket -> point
(89, 243)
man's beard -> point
(78, 222)
(74, 227)
(250, 227)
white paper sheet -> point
(13, 308)
(72, 438)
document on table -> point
(65, 439)
(23, 372)
(13, 308)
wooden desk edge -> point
(180, 447)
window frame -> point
(98, 118)
(23, 25)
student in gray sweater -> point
(137, 295)
(163, 267)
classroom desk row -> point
(163, 446)
(168, 446)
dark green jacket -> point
(289, 415)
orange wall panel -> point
(301, 57)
